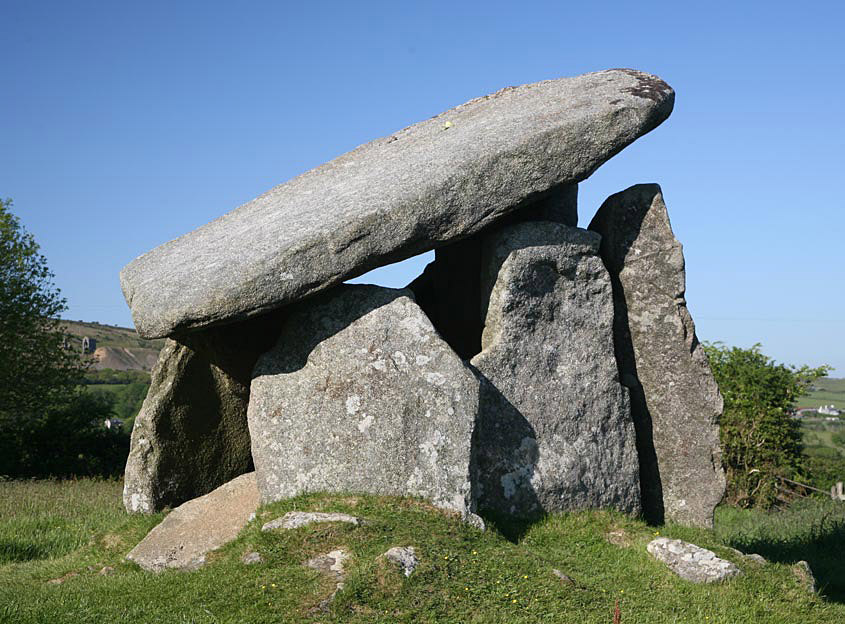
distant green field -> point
(826, 391)
(825, 450)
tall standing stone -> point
(676, 401)
(555, 429)
(362, 395)
(191, 434)
(435, 182)
(449, 290)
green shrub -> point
(65, 440)
(761, 441)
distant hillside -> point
(118, 348)
(826, 391)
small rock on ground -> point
(62, 579)
(251, 558)
(331, 563)
(619, 537)
(405, 557)
(296, 519)
(691, 562)
(564, 578)
(805, 576)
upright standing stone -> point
(362, 395)
(449, 290)
(676, 401)
(191, 434)
(435, 182)
(555, 429)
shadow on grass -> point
(17, 552)
(511, 528)
(812, 531)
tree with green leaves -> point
(47, 425)
(761, 440)
(35, 368)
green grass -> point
(825, 451)
(827, 390)
(465, 575)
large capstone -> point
(438, 181)
(555, 430)
(449, 290)
(676, 401)
(362, 395)
(191, 434)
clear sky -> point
(124, 125)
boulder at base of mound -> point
(191, 531)
(191, 434)
(297, 519)
(555, 429)
(675, 399)
(362, 395)
(691, 562)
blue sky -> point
(124, 125)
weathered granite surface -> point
(297, 519)
(191, 434)
(192, 530)
(805, 576)
(362, 395)
(555, 429)
(449, 290)
(675, 400)
(437, 181)
(691, 562)
(405, 557)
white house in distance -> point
(829, 410)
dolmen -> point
(533, 367)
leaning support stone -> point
(192, 530)
(191, 434)
(362, 395)
(675, 399)
(555, 430)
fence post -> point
(840, 494)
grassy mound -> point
(68, 532)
